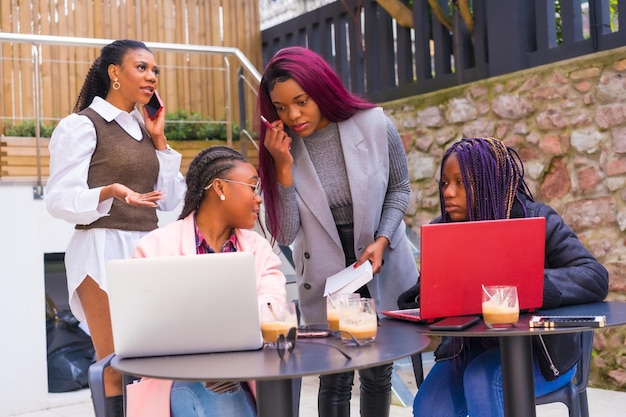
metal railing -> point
(246, 70)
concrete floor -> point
(602, 403)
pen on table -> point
(590, 323)
(569, 318)
(267, 123)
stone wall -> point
(568, 122)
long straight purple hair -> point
(492, 174)
(321, 83)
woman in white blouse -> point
(110, 170)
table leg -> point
(274, 398)
(518, 383)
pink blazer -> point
(178, 238)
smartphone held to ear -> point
(154, 106)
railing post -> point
(37, 188)
(510, 34)
(228, 109)
(463, 47)
(599, 21)
(242, 114)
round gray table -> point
(394, 340)
(516, 349)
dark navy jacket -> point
(572, 276)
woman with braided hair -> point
(222, 202)
(110, 170)
(483, 179)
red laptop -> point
(457, 258)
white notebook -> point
(184, 304)
(348, 280)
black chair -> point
(418, 369)
(96, 385)
(574, 394)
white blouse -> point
(68, 197)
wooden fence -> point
(382, 60)
(200, 83)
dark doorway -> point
(55, 279)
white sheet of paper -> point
(349, 279)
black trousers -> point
(336, 390)
(375, 393)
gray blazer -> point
(317, 250)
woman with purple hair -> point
(336, 186)
(483, 179)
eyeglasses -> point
(289, 343)
(255, 187)
(354, 339)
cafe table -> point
(394, 340)
(516, 348)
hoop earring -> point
(116, 84)
(222, 197)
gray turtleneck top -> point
(324, 149)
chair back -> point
(584, 364)
(574, 394)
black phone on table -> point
(154, 106)
(313, 333)
(454, 323)
(308, 331)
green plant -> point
(27, 129)
(184, 125)
(217, 130)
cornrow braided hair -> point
(492, 174)
(209, 164)
(97, 82)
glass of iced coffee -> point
(277, 319)
(358, 320)
(500, 306)
(333, 302)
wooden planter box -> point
(18, 155)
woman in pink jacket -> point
(222, 201)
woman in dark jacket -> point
(483, 179)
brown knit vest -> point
(118, 158)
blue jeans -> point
(193, 399)
(471, 385)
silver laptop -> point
(184, 304)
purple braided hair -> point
(493, 175)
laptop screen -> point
(458, 258)
(184, 304)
